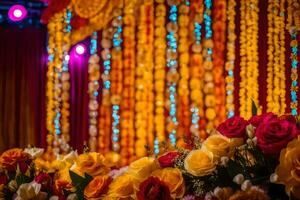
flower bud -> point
(246, 185)
(273, 178)
(239, 179)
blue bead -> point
(294, 112)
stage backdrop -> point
(23, 80)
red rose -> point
(167, 160)
(153, 189)
(44, 179)
(234, 127)
(3, 179)
(273, 135)
(257, 119)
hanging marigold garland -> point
(172, 74)
(116, 79)
(249, 57)
(183, 87)
(144, 79)
(230, 59)
(128, 101)
(65, 81)
(293, 26)
(52, 27)
(159, 74)
(276, 57)
(105, 108)
(93, 90)
(219, 38)
(58, 82)
(196, 69)
(149, 77)
(209, 98)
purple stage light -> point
(17, 13)
(80, 49)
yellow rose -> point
(172, 177)
(97, 187)
(121, 188)
(92, 163)
(142, 168)
(288, 170)
(199, 163)
(218, 145)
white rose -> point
(29, 191)
(34, 152)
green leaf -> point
(254, 108)
(76, 179)
(23, 179)
(80, 183)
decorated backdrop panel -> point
(160, 71)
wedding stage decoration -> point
(257, 158)
(166, 70)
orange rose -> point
(288, 170)
(92, 163)
(61, 185)
(13, 157)
(97, 187)
(172, 177)
(254, 193)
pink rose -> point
(167, 160)
(274, 134)
(234, 127)
(257, 119)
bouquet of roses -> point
(242, 159)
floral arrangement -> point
(254, 159)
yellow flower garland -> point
(249, 57)
(276, 58)
(57, 85)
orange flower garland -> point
(230, 61)
(93, 88)
(127, 104)
(159, 73)
(219, 38)
(116, 79)
(105, 107)
(144, 79)
(183, 87)
(209, 98)
(196, 69)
